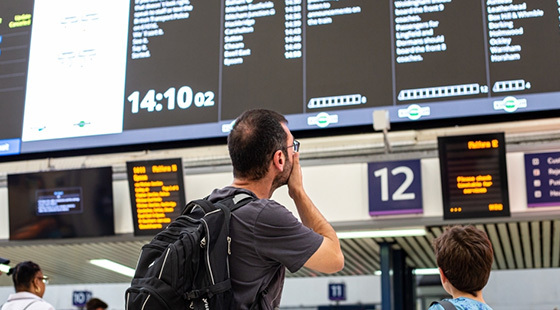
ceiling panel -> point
(526, 241)
(555, 243)
(517, 245)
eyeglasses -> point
(45, 279)
(295, 146)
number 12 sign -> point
(395, 187)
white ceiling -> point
(520, 242)
(517, 245)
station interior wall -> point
(340, 189)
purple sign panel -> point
(337, 291)
(542, 176)
(395, 187)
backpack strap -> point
(29, 304)
(204, 203)
(34, 300)
(227, 205)
(445, 304)
(239, 200)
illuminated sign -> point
(157, 193)
(542, 175)
(473, 176)
(395, 187)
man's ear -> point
(278, 160)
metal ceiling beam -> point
(526, 241)
(556, 245)
(536, 241)
(516, 244)
(506, 245)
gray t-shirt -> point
(266, 239)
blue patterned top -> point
(463, 303)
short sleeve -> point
(436, 307)
(281, 237)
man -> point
(266, 237)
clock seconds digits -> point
(184, 97)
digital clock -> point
(183, 98)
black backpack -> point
(186, 266)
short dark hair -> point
(465, 255)
(23, 274)
(255, 136)
(95, 303)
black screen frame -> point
(455, 159)
(95, 219)
(150, 131)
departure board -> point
(157, 193)
(473, 176)
(132, 73)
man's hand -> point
(295, 182)
(328, 258)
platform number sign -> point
(395, 187)
(337, 291)
(80, 298)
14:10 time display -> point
(183, 98)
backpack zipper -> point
(208, 252)
(229, 254)
(164, 260)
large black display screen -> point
(87, 74)
(61, 204)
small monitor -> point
(157, 193)
(473, 176)
(61, 204)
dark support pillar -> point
(386, 256)
(410, 288)
(397, 280)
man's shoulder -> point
(228, 191)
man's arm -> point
(328, 258)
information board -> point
(473, 176)
(395, 187)
(542, 175)
(135, 73)
(157, 193)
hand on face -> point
(295, 182)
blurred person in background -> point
(96, 304)
(30, 284)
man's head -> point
(464, 254)
(256, 136)
(96, 304)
